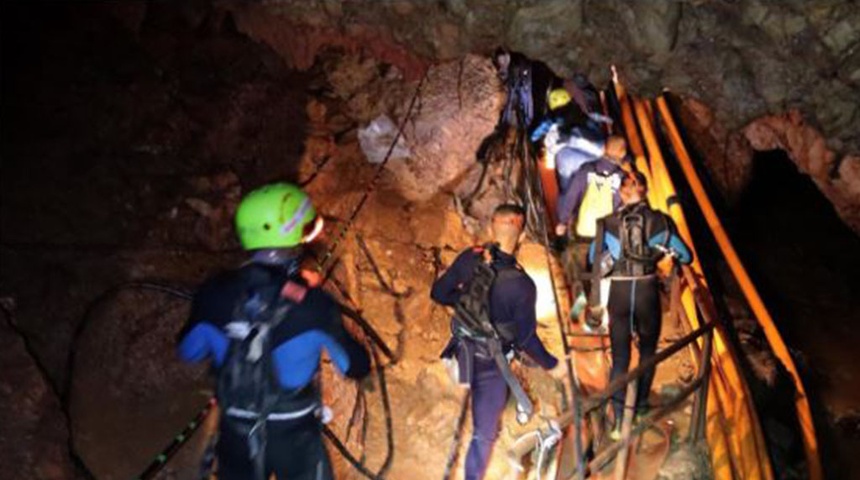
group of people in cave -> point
(265, 324)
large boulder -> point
(458, 107)
(130, 395)
(34, 438)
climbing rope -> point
(371, 186)
(535, 197)
(181, 438)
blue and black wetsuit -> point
(634, 296)
(512, 308)
(294, 443)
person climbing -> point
(567, 138)
(631, 241)
(264, 329)
(487, 282)
(592, 194)
(526, 82)
(587, 97)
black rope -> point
(371, 186)
(458, 435)
(540, 218)
(188, 431)
(485, 155)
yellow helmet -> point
(558, 98)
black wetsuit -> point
(294, 446)
(634, 297)
(512, 308)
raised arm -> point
(447, 288)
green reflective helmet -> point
(279, 215)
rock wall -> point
(744, 60)
(34, 438)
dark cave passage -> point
(806, 264)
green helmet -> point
(279, 215)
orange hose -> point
(751, 449)
(755, 302)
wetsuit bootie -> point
(594, 319)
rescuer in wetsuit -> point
(592, 194)
(512, 312)
(567, 137)
(636, 237)
(273, 223)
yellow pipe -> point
(755, 302)
(722, 454)
(753, 455)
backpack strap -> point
(597, 272)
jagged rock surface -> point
(34, 438)
(747, 60)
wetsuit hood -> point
(286, 259)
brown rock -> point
(807, 147)
(128, 388)
(459, 106)
(727, 155)
(34, 438)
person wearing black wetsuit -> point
(636, 237)
(273, 223)
(512, 311)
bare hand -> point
(559, 372)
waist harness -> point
(473, 322)
(247, 387)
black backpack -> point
(473, 306)
(640, 258)
(247, 387)
(473, 321)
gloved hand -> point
(669, 252)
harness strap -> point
(249, 415)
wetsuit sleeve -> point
(202, 338)
(570, 200)
(673, 242)
(524, 315)
(349, 355)
(541, 130)
(610, 243)
(448, 287)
